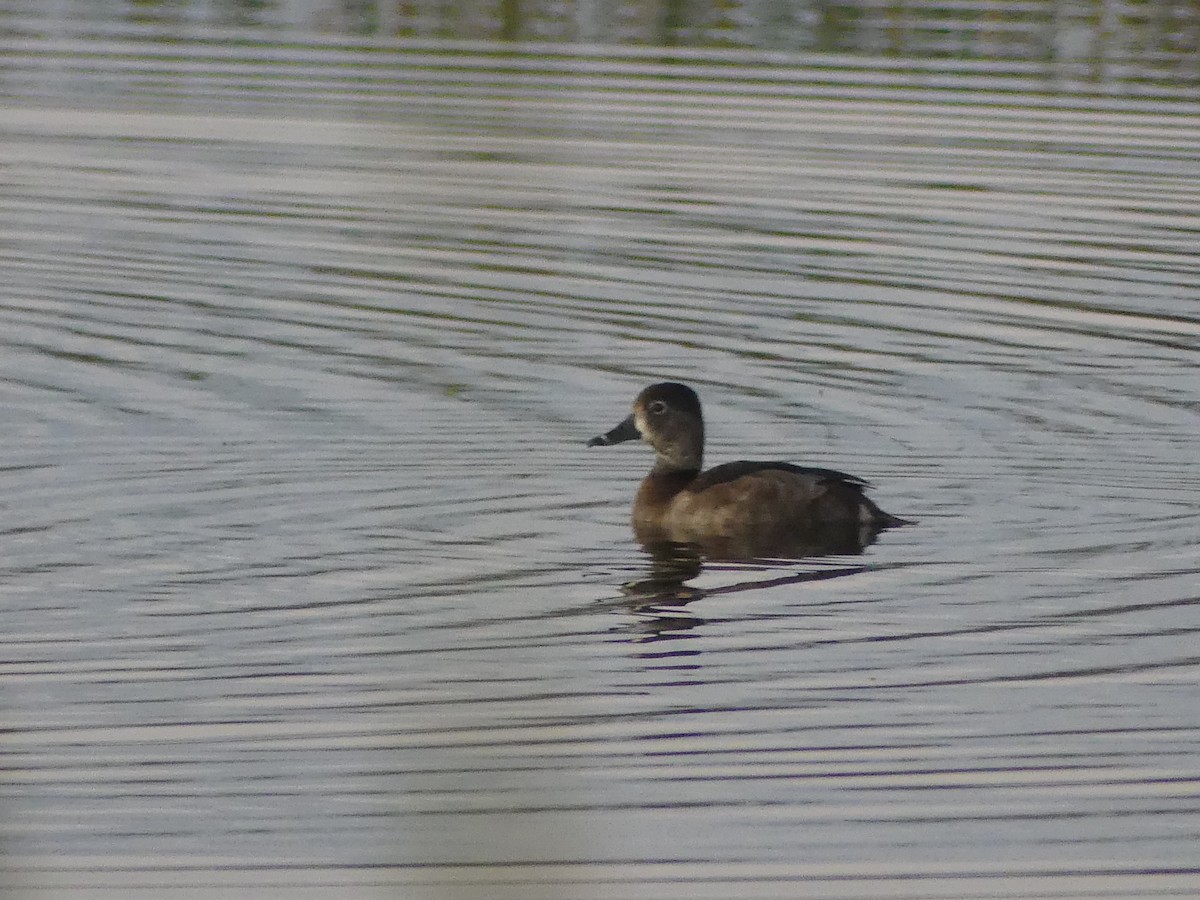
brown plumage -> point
(739, 509)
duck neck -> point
(681, 463)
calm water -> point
(311, 589)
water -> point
(310, 587)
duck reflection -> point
(659, 596)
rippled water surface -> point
(310, 587)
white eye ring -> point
(657, 408)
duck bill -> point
(626, 431)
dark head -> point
(668, 417)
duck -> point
(738, 509)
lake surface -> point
(310, 588)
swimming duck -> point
(738, 509)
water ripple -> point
(311, 581)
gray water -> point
(310, 588)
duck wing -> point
(727, 472)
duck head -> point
(667, 416)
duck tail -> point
(875, 516)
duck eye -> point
(657, 408)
